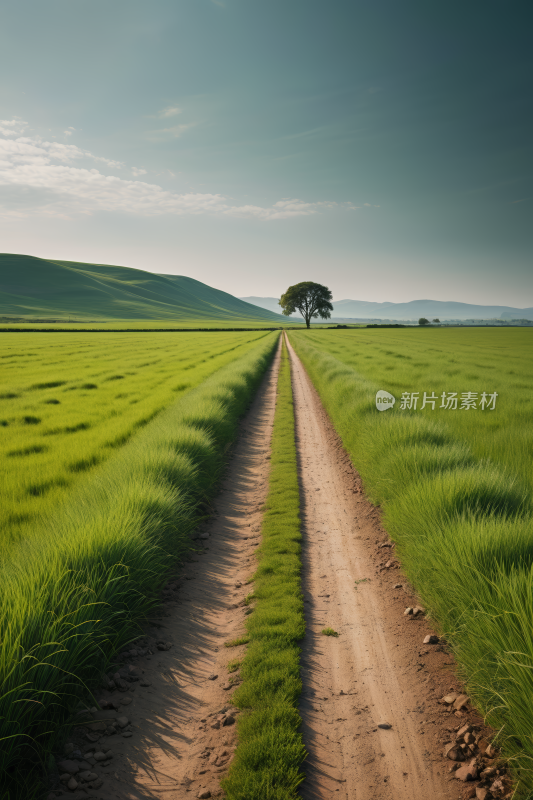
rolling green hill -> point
(38, 287)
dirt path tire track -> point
(172, 717)
(374, 672)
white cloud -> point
(12, 127)
(170, 111)
(53, 185)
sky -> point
(384, 149)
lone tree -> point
(312, 300)
(423, 321)
(436, 320)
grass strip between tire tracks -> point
(270, 750)
(75, 593)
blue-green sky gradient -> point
(382, 148)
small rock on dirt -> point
(72, 784)
(127, 735)
(398, 586)
(468, 772)
(122, 722)
(203, 794)
(125, 701)
(481, 793)
(461, 701)
(454, 752)
(408, 611)
(431, 639)
(448, 699)
(212, 677)
(87, 776)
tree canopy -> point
(423, 321)
(312, 300)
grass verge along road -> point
(270, 750)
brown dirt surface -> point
(377, 671)
(181, 735)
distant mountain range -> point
(31, 286)
(432, 309)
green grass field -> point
(439, 360)
(78, 582)
(68, 403)
(148, 325)
(455, 487)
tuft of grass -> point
(48, 385)
(236, 642)
(329, 632)
(270, 750)
(456, 492)
(234, 665)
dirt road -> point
(371, 673)
(174, 732)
